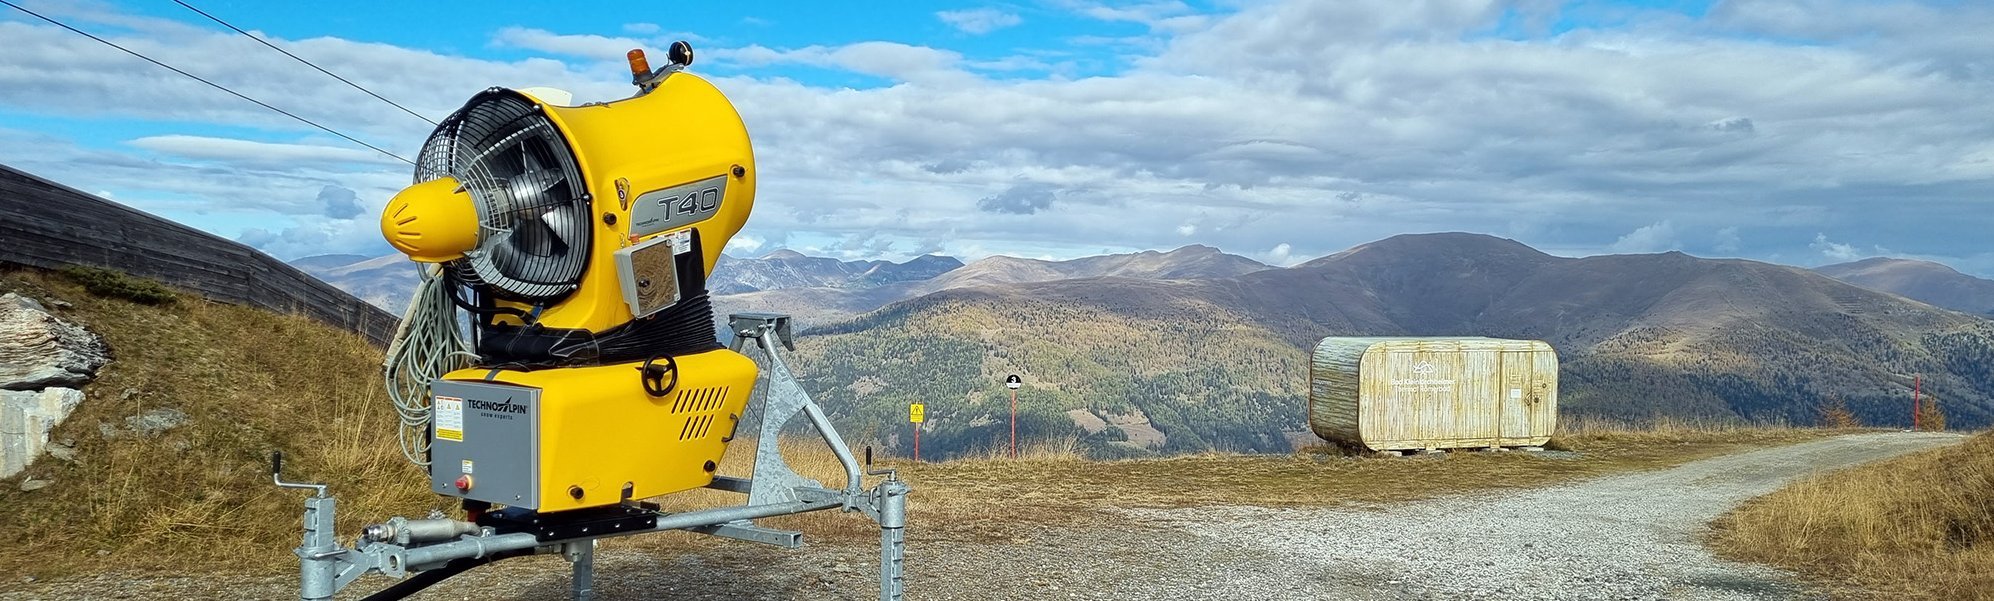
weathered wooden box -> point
(1433, 393)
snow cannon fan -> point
(578, 239)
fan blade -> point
(535, 179)
(561, 222)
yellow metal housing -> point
(599, 429)
(431, 222)
(682, 132)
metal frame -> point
(425, 552)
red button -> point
(464, 482)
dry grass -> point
(250, 382)
(1915, 527)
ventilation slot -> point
(695, 427)
(699, 400)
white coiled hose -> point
(427, 345)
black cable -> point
(302, 60)
(210, 83)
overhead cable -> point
(205, 81)
(302, 60)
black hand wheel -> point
(660, 380)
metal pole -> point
(917, 443)
(1014, 423)
(892, 499)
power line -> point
(302, 60)
(210, 83)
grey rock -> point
(39, 350)
(24, 302)
(63, 452)
(154, 421)
(26, 418)
(32, 485)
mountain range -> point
(821, 304)
(1195, 349)
(790, 269)
(1221, 362)
(1924, 281)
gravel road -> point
(1622, 537)
(1632, 536)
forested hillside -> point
(1219, 363)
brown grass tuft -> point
(1915, 527)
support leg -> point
(318, 574)
(892, 539)
(582, 554)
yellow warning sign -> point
(917, 413)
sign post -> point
(1013, 382)
(917, 413)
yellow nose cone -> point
(431, 222)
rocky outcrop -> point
(39, 350)
(43, 360)
(26, 418)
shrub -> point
(109, 283)
(1836, 414)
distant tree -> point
(1930, 416)
(1836, 414)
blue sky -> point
(1796, 131)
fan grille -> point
(533, 216)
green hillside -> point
(1207, 378)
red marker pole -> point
(1917, 390)
(917, 443)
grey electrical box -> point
(648, 272)
(489, 433)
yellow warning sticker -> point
(917, 413)
(449, 418)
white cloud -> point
(1281, 255)
(588, 46)
(1654, 237)
(1835, 251)
(979, 21)
(885, 59)
(1169, 16)
(1187, 230)
(744, 243)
